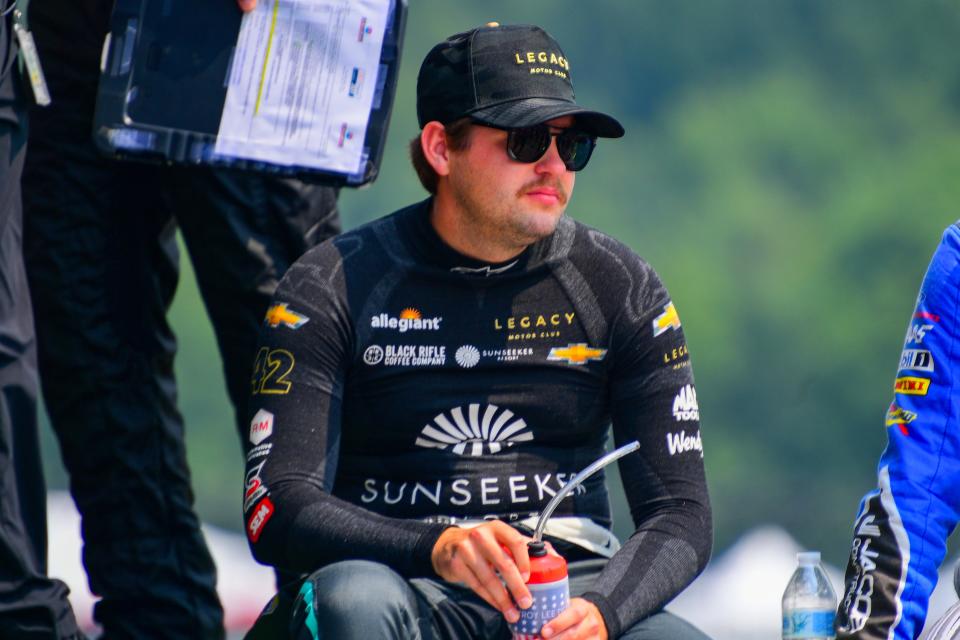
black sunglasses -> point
(529, 144)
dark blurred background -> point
(788, 168)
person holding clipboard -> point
(33, 606)
(102, 261)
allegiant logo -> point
(409, 320)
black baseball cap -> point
(506, 76)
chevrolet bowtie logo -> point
(666, 320)
(279, 314)
(576, 353)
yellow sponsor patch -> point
(279, 314)
(576, 353)
(898, 415)
(669, 319)
(912, 386)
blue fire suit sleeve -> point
(901, 530)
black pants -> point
(362, 600)
(32, 606)
(103, 266)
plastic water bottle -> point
(809, 601)
(548, 583)
(549, 589)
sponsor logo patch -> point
(260, 451)
(373, 355)
(534, 326)
(510, 354)
(406, 355)
(410, 319)
(578, 353)
(255, 491)
(467, 356)
(877, 560)
(685, 407)
(916, 333)
(916, 360)
(676, 356)
(261, 427)
(501, 492)
(667, 320)
(678, 443)
(469, 432)
(253, 487)
(900, 417)
(261, 515)
(280, 314)
(912, 386)
(486, 271)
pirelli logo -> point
(912, 386)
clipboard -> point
(296, 88)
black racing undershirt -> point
(404, 387)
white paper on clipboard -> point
(302, 82)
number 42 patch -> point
(270, 371)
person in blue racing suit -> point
(901, 530)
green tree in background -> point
(788, 168)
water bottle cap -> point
(808, 557)
(547, 568)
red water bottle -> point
(549, 589)
(548, 583)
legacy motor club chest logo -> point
(470, 432)
(535, 326)
(410, 319)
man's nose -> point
(551, 163)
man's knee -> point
(355, 599)
(664, 626)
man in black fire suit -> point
(427, 383)
(102, 261)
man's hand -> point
(579, 621)
(247, 5)
(475, 557)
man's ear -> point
(433, 142)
